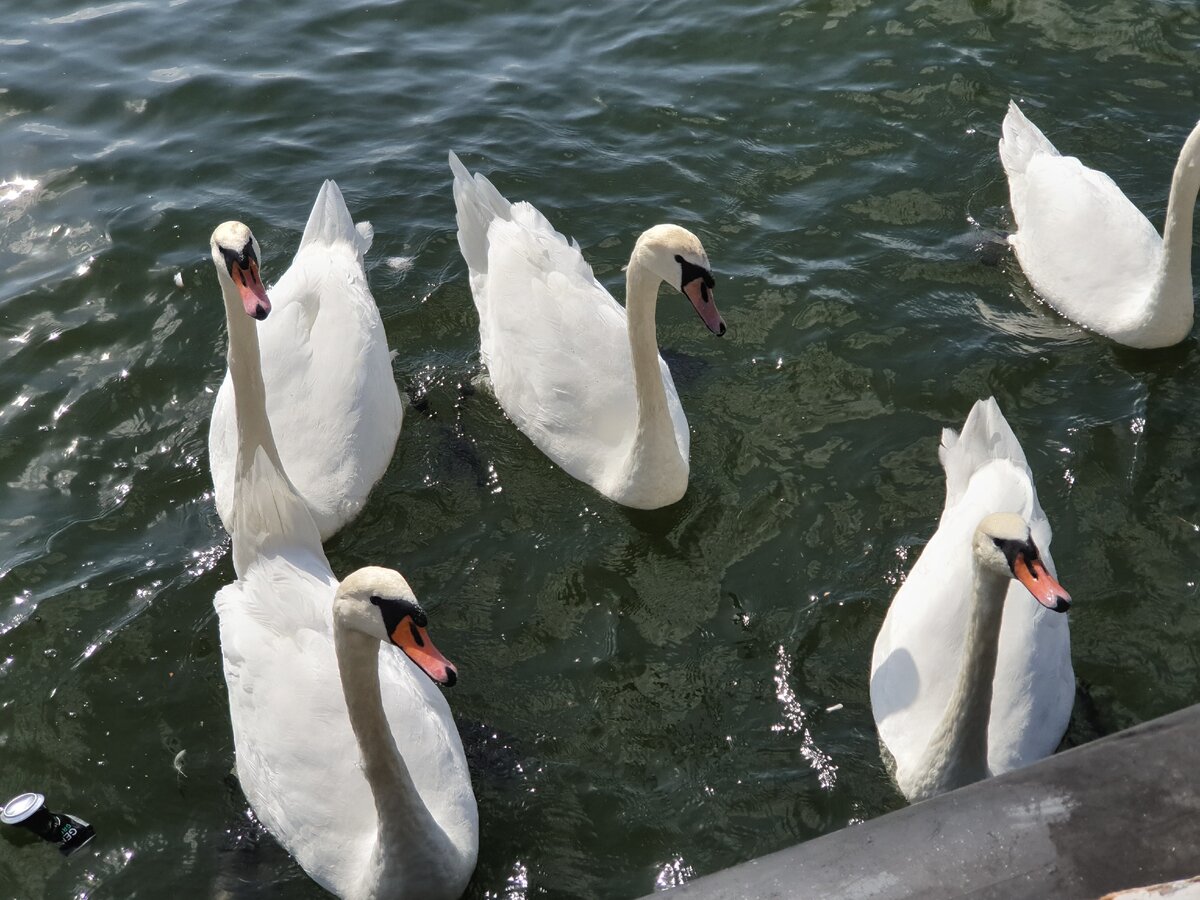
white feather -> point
(332, 399)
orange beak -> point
(1039, 582)
(414, 641)
(705, 304)
(254, 296)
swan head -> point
(378, 602)
(1003, 545)
(235, 253)
(676, 256)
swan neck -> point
(958, 751)
(655, 431)
(408, 838)
(641, 305)
(1176, 275)
(249, 391)
(268, 513)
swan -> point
(370, 804)
(1087, 250)
(577, 373)
(332, 400)
(969, 677)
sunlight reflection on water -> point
(796, 722)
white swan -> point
(579, 374)
(957, 692)
(1087, 250)
(331, 397)
(370, 804)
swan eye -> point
(394, 612)
(1009, 549)
(231, 259)
(689, 272)
(241, 260)
(1014, 550)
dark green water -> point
(646, 697)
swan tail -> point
(1021, 141)
(985, 437)
(330, 223)
(477, 202)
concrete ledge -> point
(1120, 812)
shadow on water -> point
(248, 859)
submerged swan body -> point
(578, 373)
(1086, 248)
(371, 804)
(331, 396)
(969, 676)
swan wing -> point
(222, 449)
(332, 398)
(918, 652)
(556, 346)
(683, 436)
(283, 687)
(1084, 246)
(423, 728)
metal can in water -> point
(29, 811)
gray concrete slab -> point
(1120, 812)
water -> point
(646, 697)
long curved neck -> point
(267, 510)
(654, 440)
(958, 750)
(249, 392)
(1175, 276)
(411, 849)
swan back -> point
(919, 647)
